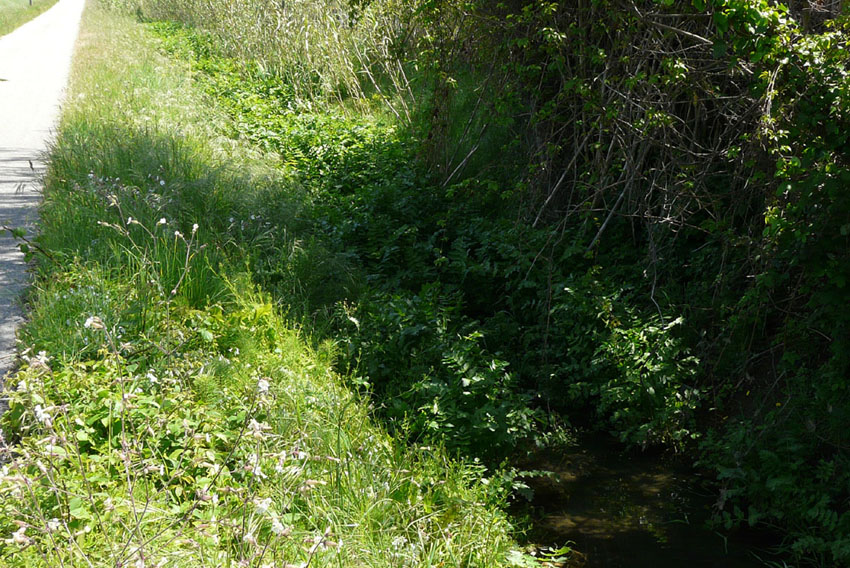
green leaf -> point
(721, 20)
(79, 509)
(521, 560)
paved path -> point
(34, 64)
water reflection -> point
(631, 510)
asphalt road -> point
(34, 63)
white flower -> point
(151, 377)
(41, 415)
(20, 537)
(129, 220)
(254, 466)
(94, 322)
(279, 529)
(53, 525)
(263, 505)
(162, 182)
(249, 538)
(178, 234)
(162, 221)
(263, 386)
(399, 542)
(194, 228)
(257, 428)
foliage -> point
(436, 384)
(616, 209)
(166, 413)
(785, 455)
(447, 280)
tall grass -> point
(327, 49)
(166, 414)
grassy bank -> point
(166, 414)
(14, 13)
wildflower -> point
(162, 182)
(257, 428)
(253, 466)
(161, 221)
(194, 228)
(280, 530)
(53, 525)
(263, 505)
(39, 362)
(20, 537)
(94, 322)
(151, 377)
(399, 542)
(42, 358)
(42, 416)
(178, 234)
(129, 220)
(263, 386)
(250, 539)
(311, 484)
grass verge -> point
(166, 414)
(14, 13)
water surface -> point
(632, 510)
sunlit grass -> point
(14, 13)
(166, 413)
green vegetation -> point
(14, 13)
(166, 414)
(630, 215)
(489, 219)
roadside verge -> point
(167, 414)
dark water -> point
(630, 510)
